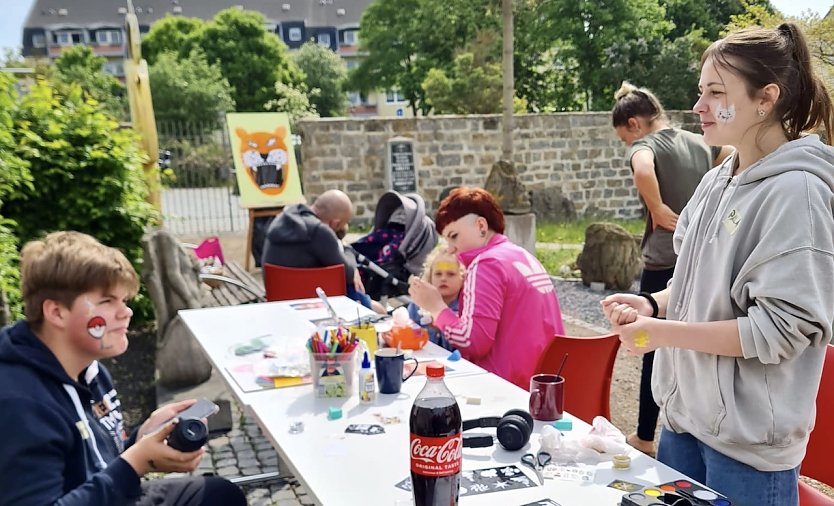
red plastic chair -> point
(285, 283)
(587, 372)
(817, 461)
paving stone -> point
(218, 442)
(249, 470)
(228, 471)
(226, 463)
(248, 453)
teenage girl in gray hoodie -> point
(749, 310)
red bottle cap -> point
(435, 370)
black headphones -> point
(512, 430)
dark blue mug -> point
(389, 370)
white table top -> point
(348, 469)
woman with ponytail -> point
(667, 164)
(750, 308)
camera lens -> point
(188, 435)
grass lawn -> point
(573, 232)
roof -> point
(84, 13)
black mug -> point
(389, 370)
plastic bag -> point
(602, 442)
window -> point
(351, 64)
(393, 97)
(38, 40)
(323, 39)
(355, 98)
(350, 37)
(109, 37)
(67, 38)
(114, 68)
(294, 34)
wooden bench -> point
(235, 286)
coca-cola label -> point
(436, 456)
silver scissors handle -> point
(323, 297)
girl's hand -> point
(425, 295)
(623, 308)
(640, 336)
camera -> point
(189, 434)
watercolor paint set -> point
(675, 493)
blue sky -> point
(15, 11)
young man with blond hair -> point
(65, 443)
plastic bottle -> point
(436, 442)
(367, 384)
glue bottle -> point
(367, 385)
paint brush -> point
(562, 366)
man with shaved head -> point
(305, 237)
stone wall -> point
(576, 153)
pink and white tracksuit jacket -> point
(508, 311)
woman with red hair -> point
(508, 311)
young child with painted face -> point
(667, 164)
(750, 307)
(64, 439)
(446, 274)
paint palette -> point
(677, 493)
(697, 495)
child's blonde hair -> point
(434, 256)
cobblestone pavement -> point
(244, 451)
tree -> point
(171, 33)
(252, 59)
(407, 38)
(293, 100)
(188, 89)
(14, 177)
(668, 68)
(86, 175)
(79, 65)
(326, 73)
(473, 84)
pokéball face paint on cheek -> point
(725, 114)
(96, 327)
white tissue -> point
(400, 317)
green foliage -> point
(326, 73)
(407, 38)
(171, 33)
(87, 175)
(293, 100)
(14, 177)
(669, 68)
(188, 89)
(474, 83)
(252, 59)
(79, 65)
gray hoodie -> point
(757, 248)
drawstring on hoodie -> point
(82, 417)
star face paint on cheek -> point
(725, 114)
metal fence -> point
(199, 191)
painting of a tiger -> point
(265, 159)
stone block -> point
(521, 230)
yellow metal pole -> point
(141, 105)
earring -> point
(761, 113)
(483, 233)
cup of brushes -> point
(333, 362)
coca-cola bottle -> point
(436, 442)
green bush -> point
(14, 176)
(87, 175)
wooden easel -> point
(257, 213)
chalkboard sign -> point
(401, 167)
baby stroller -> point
(397, 247)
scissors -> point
(330, 309)
(536, 463)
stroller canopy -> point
(420, 235)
